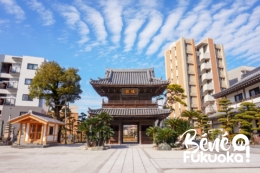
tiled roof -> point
(129, 77)
(248, 80)
(130, 112)
(41, 116)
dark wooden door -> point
(144, 138)
(114, 138)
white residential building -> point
(15, 77)
(245, 90)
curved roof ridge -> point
(130, 69)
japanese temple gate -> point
(129, 95)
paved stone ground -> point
(126, 159)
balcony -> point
(207, 87)
(190, 61)
(204, 56)
(194, 105)
(219, 56)
(9, 101)
(205, 66)
(220, 65)
(190, 71)
(15, 69)
(210, 109)
(208, 99)
(221, 74)
(12, 85)
(206, 76)
(130, 103)
(193, 93)
(192, 82)
(189, 51)
(223, 85)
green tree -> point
(203, 123)
(97, 128)
(56, 85)
(179, 125)
(191, 115)
(174, 94)
(151, 132)
(227, 116)
(81, 118)
(166, 135)
(247, 114)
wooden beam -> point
(19, 135)
(43, 125)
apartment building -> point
(15, 78)
(200, 69)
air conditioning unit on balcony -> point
(209, 122)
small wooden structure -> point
(37, 128)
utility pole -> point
(65, 121)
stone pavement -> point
(126, 159)
(129, 160)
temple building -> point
(130, 94)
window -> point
(26, 97)
(21, 113)
(254, 92)
(50, 130)
(27, 81)
(238, 97)
(32, 66)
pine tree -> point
(247, 114)
(226, 118)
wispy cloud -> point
(46, 15)
(95, 19)
(72, 17)
(167, 28)
(155, 22)
(112, 10)
(13, 8)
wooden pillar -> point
(19, 135)
(140, 133)
(42, 134)
(120, 133)
(244, 93)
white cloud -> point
(168, 28)
(83, 31)
(131, 31)
(112, 10)
(155, 22)
(46, 15)
(72, 17)
(13, 8)
(94, 17)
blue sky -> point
(93, 35)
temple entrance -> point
(114, 138)
(35, 132)
(144, 138)
(130, 133)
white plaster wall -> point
(50, 138)
(27, 132)
(231, 97)
(27, 73)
